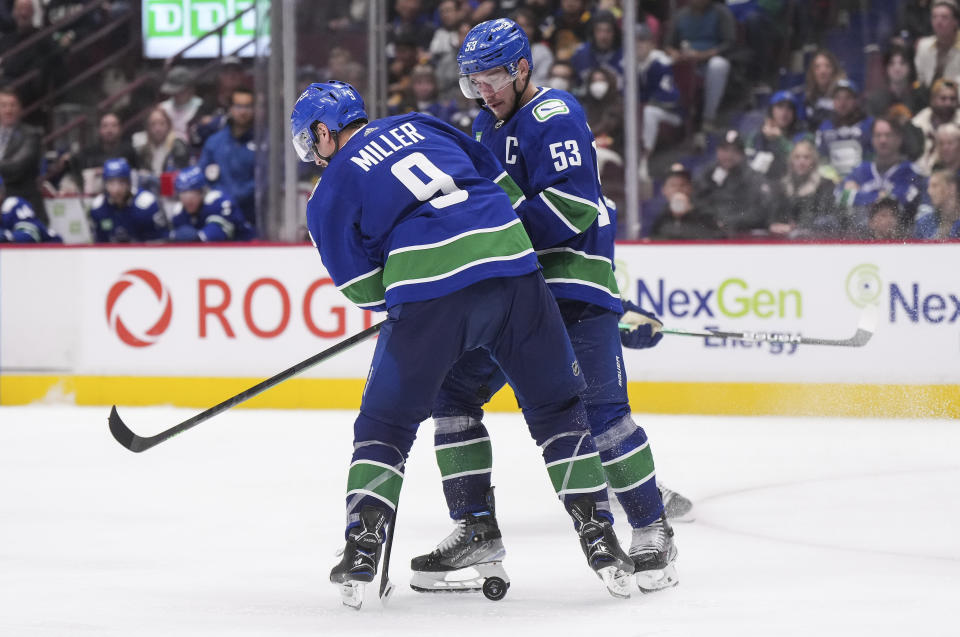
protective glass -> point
(489, 82)
(303, 143)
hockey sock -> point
(374, 479)
(575, 470)
(628, 465)
(465, 458)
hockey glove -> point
(184, 233)
(639, 329)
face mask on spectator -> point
(560, 83)
(599, 89)
(679, 204)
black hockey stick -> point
(136, 443)
(865, 329)
(386, 586)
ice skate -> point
(361, 557)
(654, 555)
(468, 560)
(676, 507)
(602, 549)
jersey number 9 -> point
(425, 191)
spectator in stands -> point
(569, 28)
(110, 143)
(682, 220)
(888, 175)
(883, 223)
(213, 114)
(159, 150)
(805, 204)
(943, 219)
(542, 55)
(19, 222)
(406, 57)
(119, 215)
(563, 77)
(43, 55)
(939, 54)
(410, 21)
(943, 109)
(844, 138)
(444, 47)
(823, 73)
(738, 196)
(702, 33)
(19, 154)
(423, 96)
(764, 27)
(901, 86)
(913, 21)
(229, 159)
(602, 49)
(659, 97)
(769, 148)
(206, 215)
(603, 106)
(183, 105)
(947, 148)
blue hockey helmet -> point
(334, 104)
(490, 45)
(190, 179)
(116, 168)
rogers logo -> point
(150, 336)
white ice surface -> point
(805, 527)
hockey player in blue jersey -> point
(19, 223)
(118, 215)
(542, 138)
(204, 214)
(408, 218)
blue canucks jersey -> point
(19, 224)
(408, 210)
(845, 146)
(139, 219)
(657, 85)
(900, 181)
(217, 220)
(548, 150)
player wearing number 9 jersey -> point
(542, 138)
(408, 218)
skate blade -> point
(657, 580)
(616, 581)
(465, 580)
(351, 594)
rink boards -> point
(189, 326)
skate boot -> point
(468, 560)
(676, 507)
(361, 556)
(602, 549)
(654, 556)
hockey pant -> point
(515, 322)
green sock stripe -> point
(585, 474)
(629, 469)
(375, 479)
(475, 456)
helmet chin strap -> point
(516, 96)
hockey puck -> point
(494, 589)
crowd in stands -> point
(758, 118)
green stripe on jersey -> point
(581, 474)
(474, 456)
(630, 469)
(569, 266)
(364, 290)
(510, 187)
(435, 261)
(578, 213)
(378, 479)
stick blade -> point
(122, 433)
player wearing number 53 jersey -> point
(408, 218)
(542, 138)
